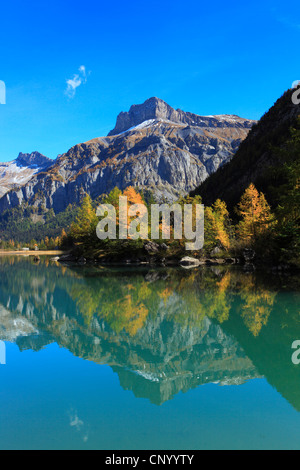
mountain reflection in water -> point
(162, 331)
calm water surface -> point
(102, 358)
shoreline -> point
(70, 259)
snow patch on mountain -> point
(18, 172)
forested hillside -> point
(260, 159)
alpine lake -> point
(147, 358)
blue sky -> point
(205, 57)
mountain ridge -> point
(166, 157)
(34, 159)
(155, 108)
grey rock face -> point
(34, 160)
(168, 152)
(155, 108)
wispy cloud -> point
(78, 79)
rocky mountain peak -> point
(157, 109)
(153, 108)
(34, 159)
(19, 171)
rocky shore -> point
(160, 255)
(152, 254)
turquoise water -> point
(102, 358)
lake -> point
(141, 358)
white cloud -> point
(77, 80)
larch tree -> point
(217, 225)
(255, 213)
(133, 196)
(86, 220)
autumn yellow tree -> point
(217, 224)
(63, 238)
(256, 215)
(63, 234)
(133, 196)
(86, 220)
